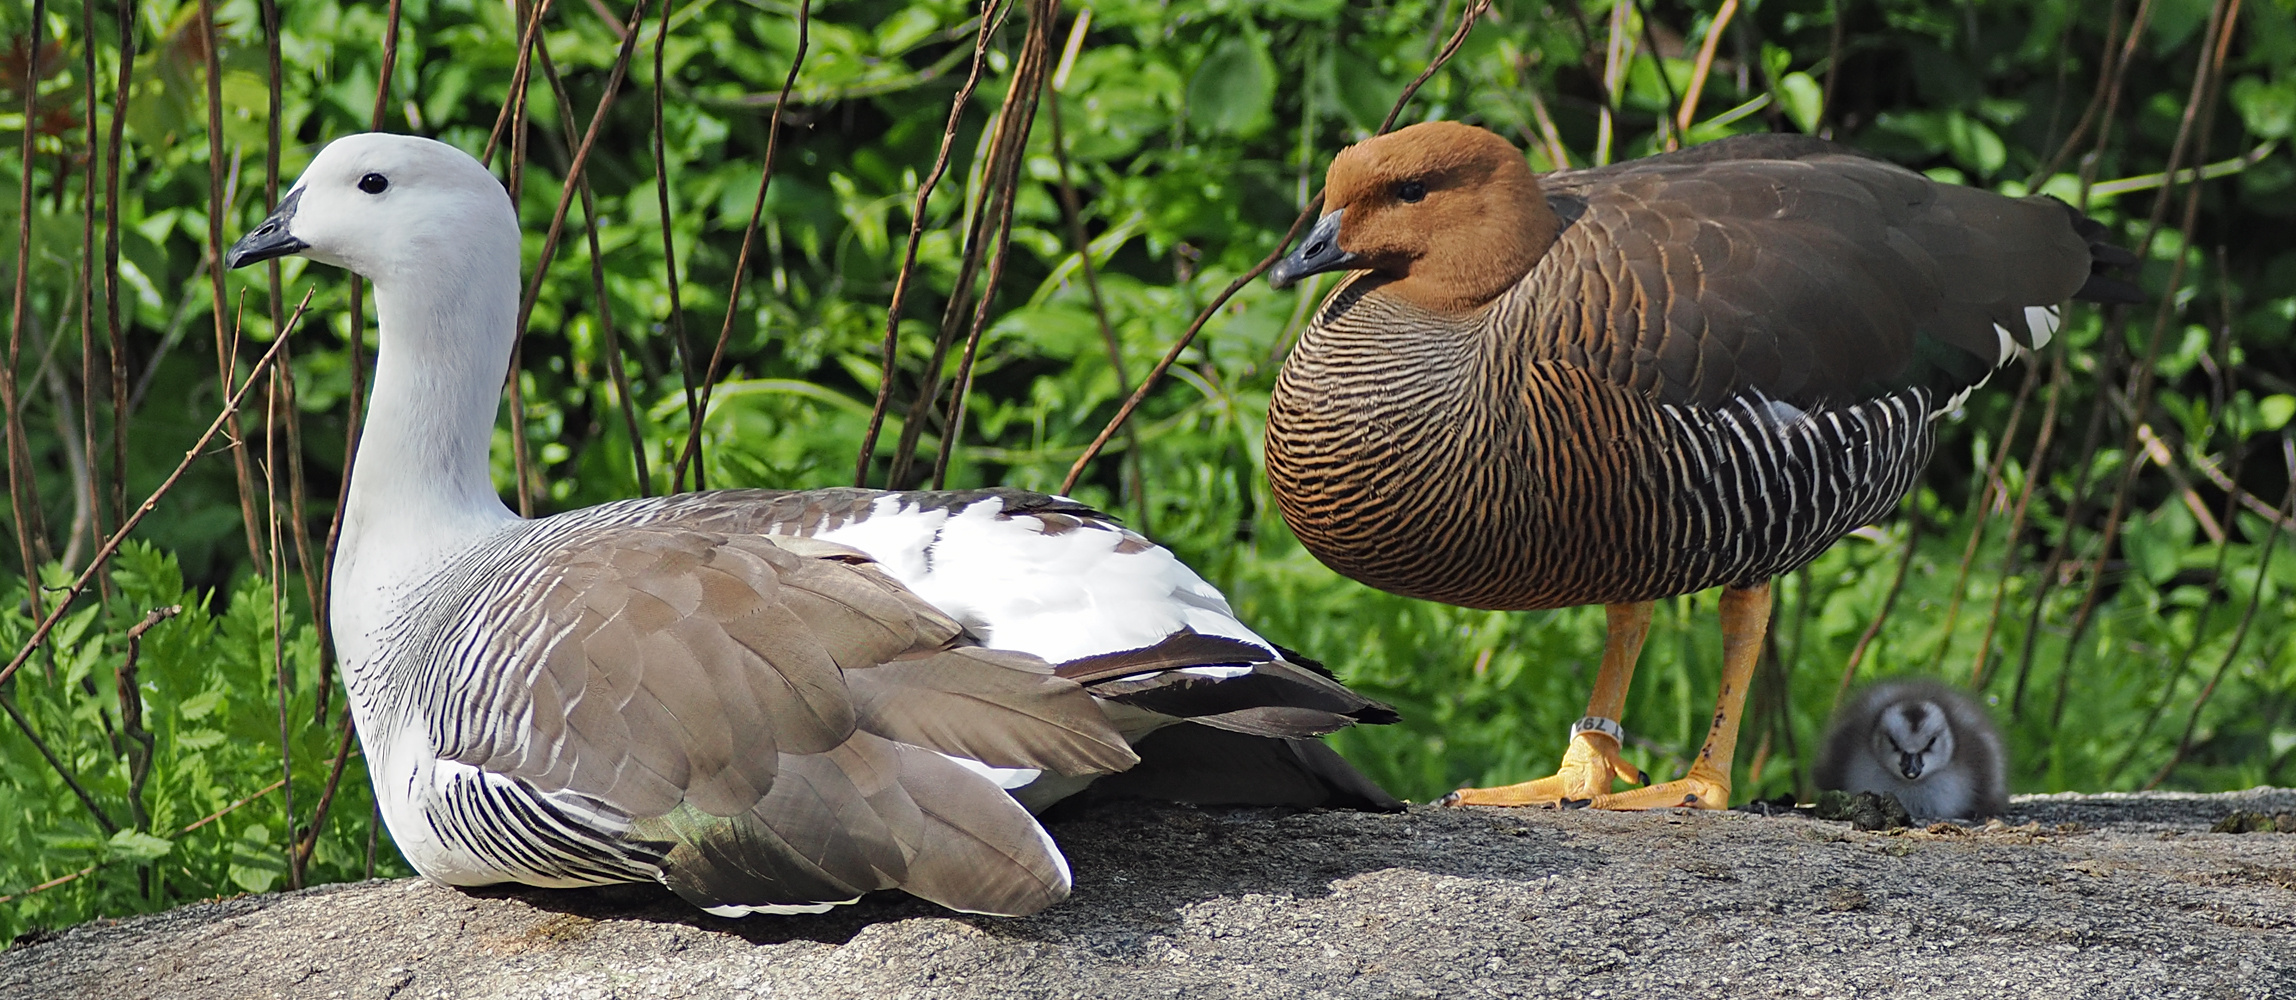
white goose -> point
(767, 701)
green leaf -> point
(199, 705)
(1234, 89)
(256, 863)
(2268, 109)
(1804, 100)
(138, 846)
(2275, 410)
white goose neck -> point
(422, 487)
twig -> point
(613, 345)
(1888, 601)
(284, 686)
(232, 808)
(125, 86)
(1467, 20)
(974, 246)
(1076, 233)
(2107, 74)
(56, 764)
(1833, 66)
(518, 78)
(669, 242)
(23, 505)
(91, 492)
(741, 261)
(566, 194)
(2033, 475)
(1667, 139)
(1613, 78)
(297, 488)
(308, 841)
(1001, 183)
(1701, 68)
(1980, 513)
(112, 544)
(2200, 103)
(226, 333)
(140, 743)
(901, 281)
(2240, 633)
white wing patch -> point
(2008, 348)
(1059, 596)
(785, 910)
(2042, 322)
(1007, 778)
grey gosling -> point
(1932, 746)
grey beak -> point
(1318, 253)
(271, 239)
(1909, 764)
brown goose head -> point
(1448, 211)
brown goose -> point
(1615, 385)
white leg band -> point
(1598, 724)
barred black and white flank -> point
(765, 700)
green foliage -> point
(205, 714)
(1195, 130)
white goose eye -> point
(374, 183)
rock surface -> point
(2078, 896)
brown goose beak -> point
(1318, 253)
(271, 239)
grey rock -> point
(2075, 896)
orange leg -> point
(1745, 619)
(1592, 760)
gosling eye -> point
(1411, 191)
(374, 183)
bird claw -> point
(1588, 769)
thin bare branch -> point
(23, 505)
(120, 92)
(1888, 601)
(226, 332)
(80, 584)
(1075, 211)
(1701, 68)
(2240, 633)
(691, 455)
(2208, 77)
(953, 310)
(567, 190)
(1467, 21)
(614, 366)
(686, 373)
(1001, 182)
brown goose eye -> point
(1411, 191)
(374, 183)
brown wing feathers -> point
(747, 697)
(1805, 271)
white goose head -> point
(393, 208)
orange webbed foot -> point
(1588, 768)
(1703, 788)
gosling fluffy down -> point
(1932, 746)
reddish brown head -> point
(1450, 211)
